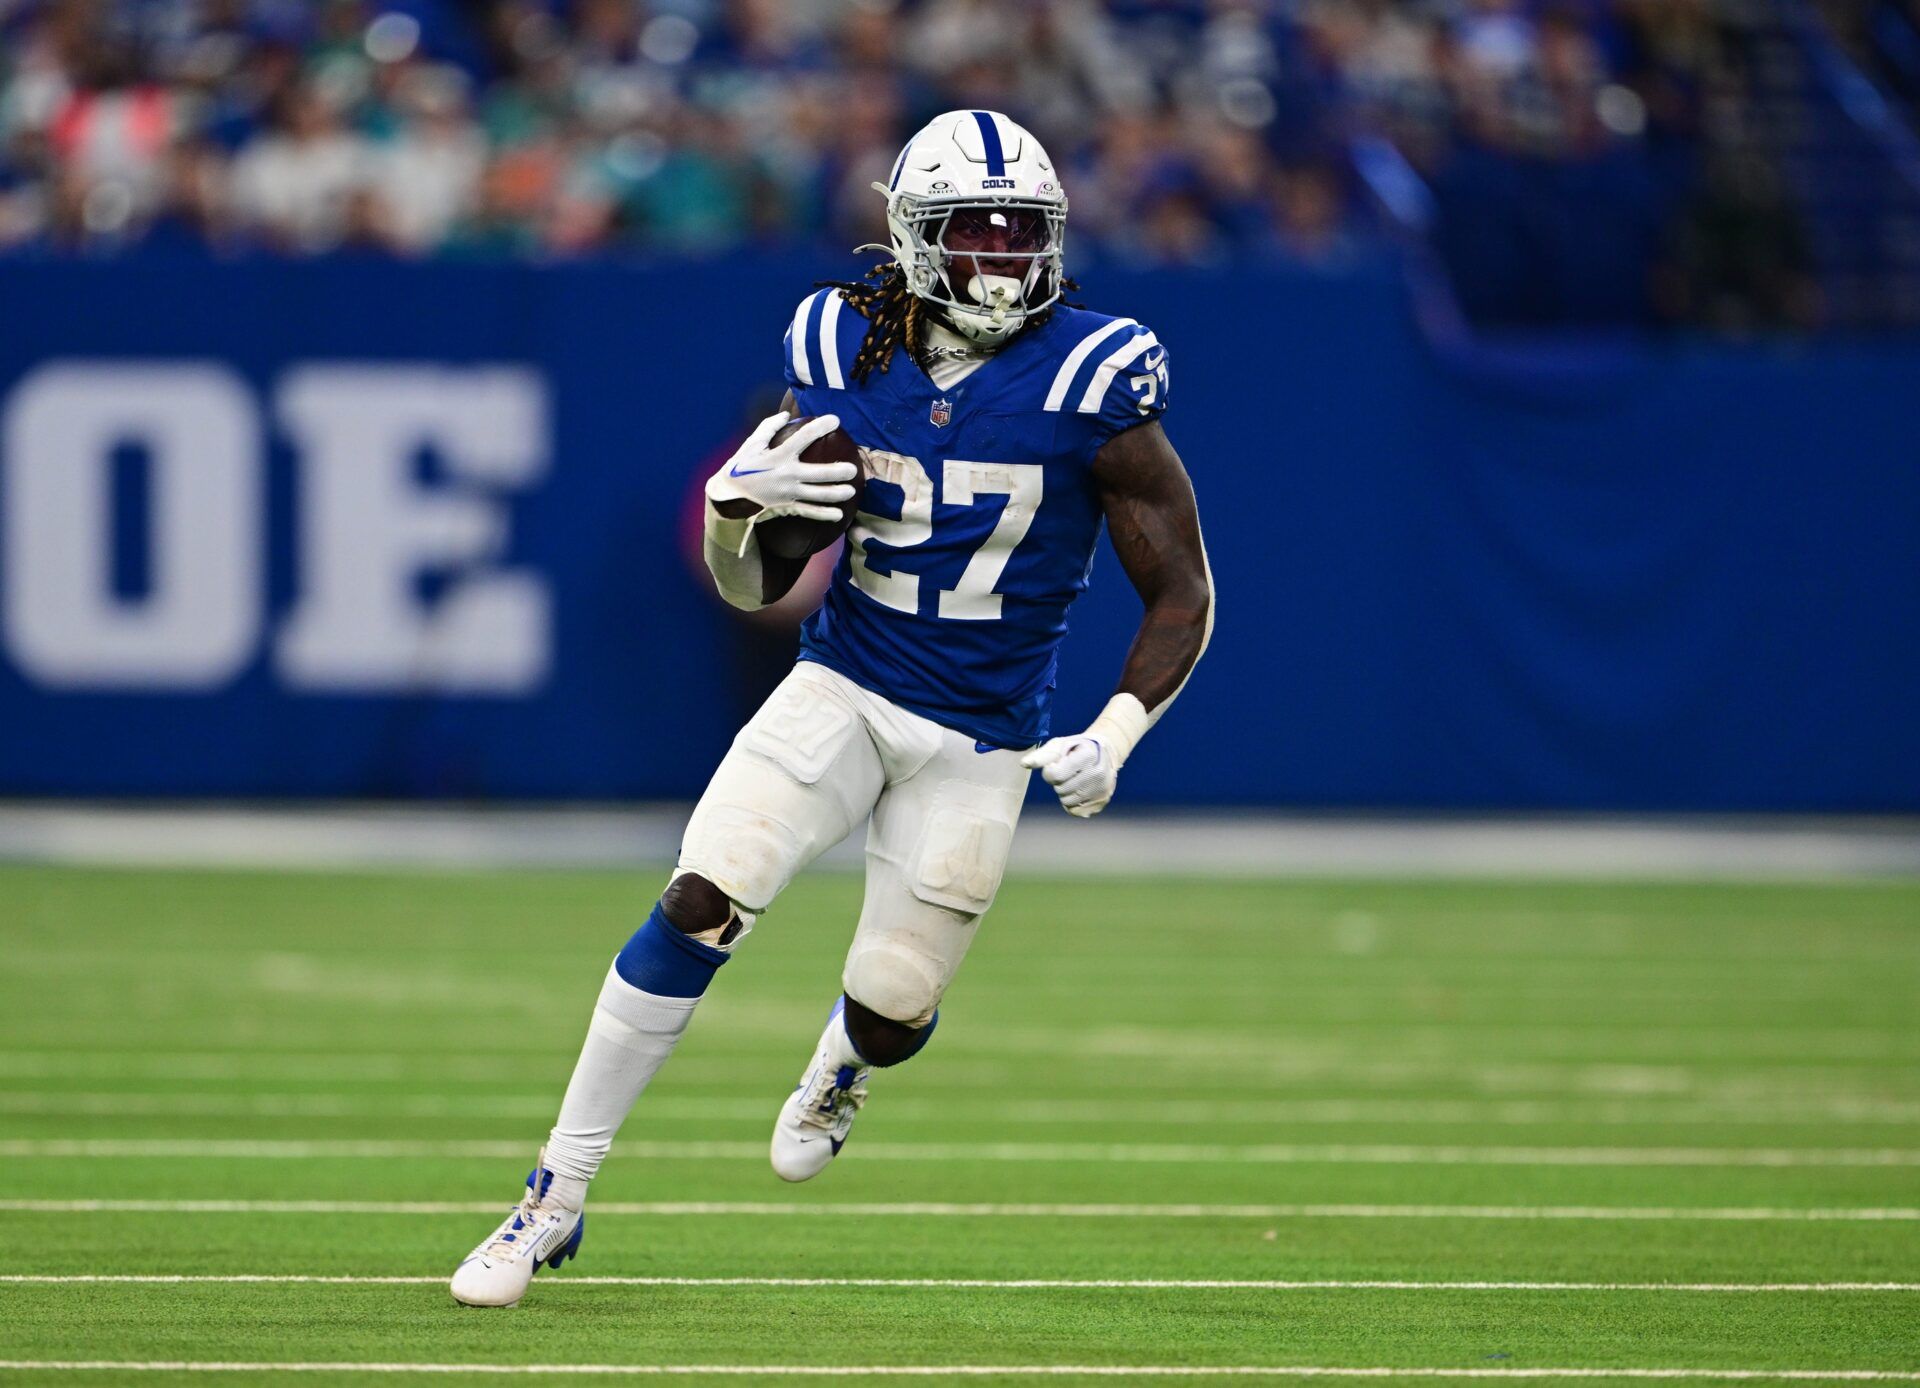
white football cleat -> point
(534, 1236)
(814, 1121)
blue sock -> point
(662, 960)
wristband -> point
(1120, 726)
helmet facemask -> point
(989, 263)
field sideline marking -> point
(958, 1370)
(1340, 1153)
(946, 1209)
(970, 1283)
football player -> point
(999, 428)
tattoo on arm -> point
(1155, 526)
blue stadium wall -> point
(1672, 577)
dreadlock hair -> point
(895, 315)
(892, 313)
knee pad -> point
(900, 984)
(747, 854)
(697, 908)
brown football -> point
(796, 537)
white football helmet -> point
(978, 221)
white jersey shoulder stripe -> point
(1121, 356)
(1077, 358)
(830, 338)
(797, 340)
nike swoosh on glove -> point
(771, 476)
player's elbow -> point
(1185, 600)
(1197, 589)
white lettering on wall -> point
(401, 580)
(369, 530)
(197, 624)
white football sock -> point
(630, 1038)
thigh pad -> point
(802, 729)
(961, 853)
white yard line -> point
(108, 1104)
(1276, 1073)
(1097, 1152)
(969, 1283)
(950, 1210)
(1649, 1112)
(954, 1370)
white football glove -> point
(1084, 769)
(772, 477)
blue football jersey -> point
(980, 517)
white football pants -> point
(821, 755)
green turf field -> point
(1699, 1105)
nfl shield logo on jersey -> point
(941, 412)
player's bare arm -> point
(1155, 527)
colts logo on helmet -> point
(941, 414)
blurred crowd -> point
(1609, 133)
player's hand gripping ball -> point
(801, 534)
(800, 480)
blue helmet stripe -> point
(996, 157)
(898, 165)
